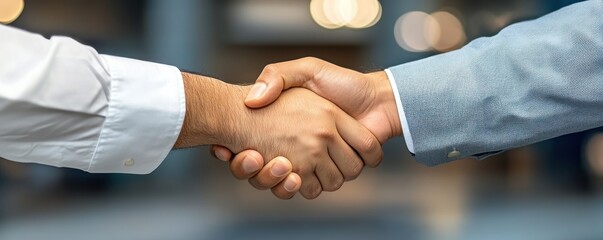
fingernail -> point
(289, 185)
(257, 91)
(220, 155)
(250, 165)
(279, 169)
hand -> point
(246, 165)
(367, 97)
(314, 134)
(317, 136)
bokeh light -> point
(594, 153)
(452, 34)
(419, 32)
(320, 17)
(10, 10)
(415, 30)
(332, 14)
(368, 14)
(339, 11)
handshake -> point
(319, 124)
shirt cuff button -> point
(129, 162)
(454, 153)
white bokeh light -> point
(368, 14)
(452, 34)
(346, 10)
(415, 30)
(333, 14)
(420, 32)
(317, 10)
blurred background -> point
(551, 190)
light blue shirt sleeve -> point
(533, 81)
(401, 113)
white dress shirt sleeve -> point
(65, 105)
(402, 115)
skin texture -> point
(324, 146)
(366, 97)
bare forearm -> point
(211, 112)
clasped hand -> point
(314, 144)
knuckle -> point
(354, 171)
(334, 185)
(376, 161)
(369, 144)
(325, 133)
(350, 178)
(270, 68)
(304, 169)
(316, 152)
(314, 61)
(310, 60)
(311, 191)
(329, 108)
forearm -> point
(213, 110)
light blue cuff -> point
(402, 115)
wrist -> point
(232, 122)
(386, 100)
(213, 109)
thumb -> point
(221, 153)
(275, 78)
(266, 90)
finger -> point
(221, 153)
(347, 160)
(272, 174)
(329, 176)
(246, 164)
(287, 188)
(310, 188)
(281, 76)
(360, 138)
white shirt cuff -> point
(145, 115)
(402, 115)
